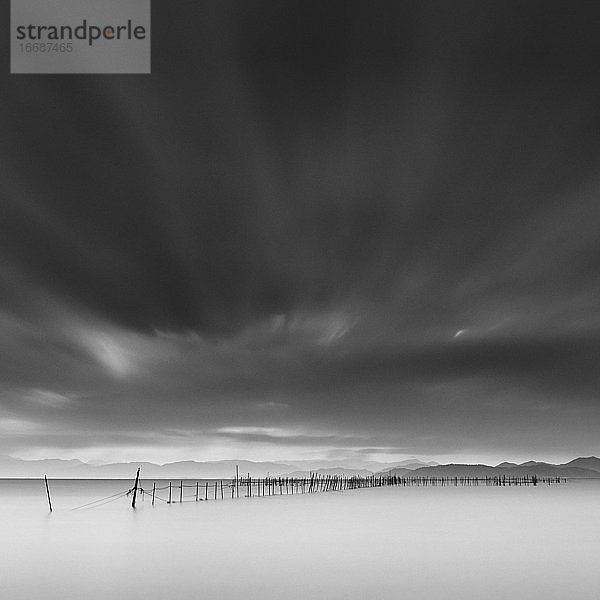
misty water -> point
(425, 543)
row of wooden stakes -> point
(273, 486)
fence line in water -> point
(279, 486)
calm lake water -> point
(423, 543)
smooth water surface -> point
(423, 543)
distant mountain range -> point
(221, 469)
(225, 469)
(579, 468)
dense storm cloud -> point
(317, 229)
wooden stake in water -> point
(135, 487)
(153, 491)
(48, 493)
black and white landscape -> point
(337, 239)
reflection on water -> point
(423, 543)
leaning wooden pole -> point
(48, 493)
(135, 487)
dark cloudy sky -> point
(318, 229)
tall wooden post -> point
(135, 487)
(153, 491)
(48, 493)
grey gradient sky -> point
(318, 229)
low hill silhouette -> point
(540, 469)
(584, 467)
